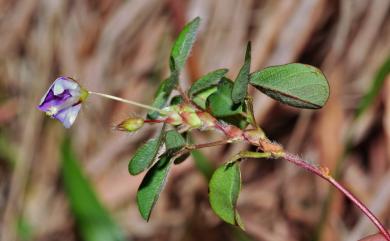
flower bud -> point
(130, 124)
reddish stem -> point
(321, 173)
(154, 121)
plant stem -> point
(323, 174)
(128, 102)
(189, 148)
(210, 144)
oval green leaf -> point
(144, 156)
(152, 185)
(295, 84)
(224, 188)
(183, 44)
(209, 80)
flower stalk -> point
(130, 102)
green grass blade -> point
(373, 91)
(92, 219)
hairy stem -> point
(323, 173)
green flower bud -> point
(130, 124)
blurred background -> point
(122, 48)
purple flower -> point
(63, 100)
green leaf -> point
(162, 94)
(201, 98)
(174, 140)
(92, 219)
(152, 185)
(221, 103)
(209, 80)
(144, 156)
(183, 44)
(241, 83)
(224, 188)
(297, 85)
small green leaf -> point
(93, 221)
(297, 85)
(152, 185)
(241, 83)
(201, 98)
(209, 80)
(144, 156)
(221, 103)
(183, 44)
(162, 94)
(174, 140)
(224, 188)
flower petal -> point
(68, 115)
(52, 100)
(64, 83)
